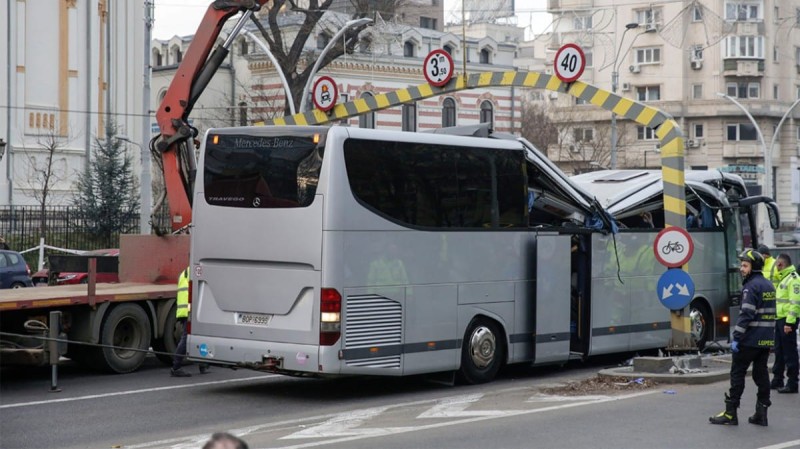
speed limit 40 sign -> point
(569, 63)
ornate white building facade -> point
(68, 66)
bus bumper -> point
(284, 358)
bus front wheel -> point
(482, 352)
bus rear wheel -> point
(482, 352)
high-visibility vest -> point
(183, 296)
(769, 270)
(787, 295)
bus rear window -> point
(262, 171)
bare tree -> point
(288, 44)
(47, 167)
(537, 125)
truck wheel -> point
(127, 328)
(482, 352)
(169, 341)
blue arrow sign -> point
(675, 289)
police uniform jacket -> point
(755, 326)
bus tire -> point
(701, 322)
(482, 352)
(168, 342)
(127, 328)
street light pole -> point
(286, 88)
(767, 190)
(331, 43)
(614, 85)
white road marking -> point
(455, 407)
(552, 398)
(190, 439)
(782, 445)
(129, 392)
(343, 425)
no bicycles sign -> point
(673, 247)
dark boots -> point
(760, 418)
(729, 417)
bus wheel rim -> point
(482, 346)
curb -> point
(716, 369)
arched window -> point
(322, 40)
(487, 113)
(365, 45)
(366, 120)
(485, 56)
(409, 117)
(448, 112)
(175, 56)
(448, 49)
(156, 58)
(408, 49)
(243, 47)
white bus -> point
(334, 250)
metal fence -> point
(61, 227)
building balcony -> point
(743, 67)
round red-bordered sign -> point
(569, 63)
(325, 93)
(673, 247)
(438, 68)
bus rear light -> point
(330, 327)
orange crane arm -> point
(193, 75)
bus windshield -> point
(273, 170)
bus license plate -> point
(254, 319)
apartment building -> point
(695, 61)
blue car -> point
(14, 272)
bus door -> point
(552, 334)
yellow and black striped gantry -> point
(667, 130)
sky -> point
(181, 17)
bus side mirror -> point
(772, 213)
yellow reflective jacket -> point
(787, 295)
(183, 296)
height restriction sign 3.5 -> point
(438, 68)
(569, 63)
(673, 247)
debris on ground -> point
(601, 385)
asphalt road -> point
(148, 409)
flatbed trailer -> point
(108, 326)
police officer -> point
(182, 316)
(787, 297)
(753, 337)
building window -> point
(448, 112)
(448, 49)
(582, 22)
(243, 47)
(487, 113)
(588, 58)
(775, 54)
(579, 101)
(157, 58)
(650, 55)
(744, 47)
(583, 134)
(645, 133)
(322, 40)
(697, 131)
(366, 120)
(774, 91)
(648, 93)
(647, 17)
(365, 45)
(797, 92)
(697, 13)
(697, 91)
(743, 11)
(485, 56)
(741, 131)
(427, 22)
(408, 49)
(243, 114)
(744, 89)
(409, 117)
(697, 53)
(177, 55)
